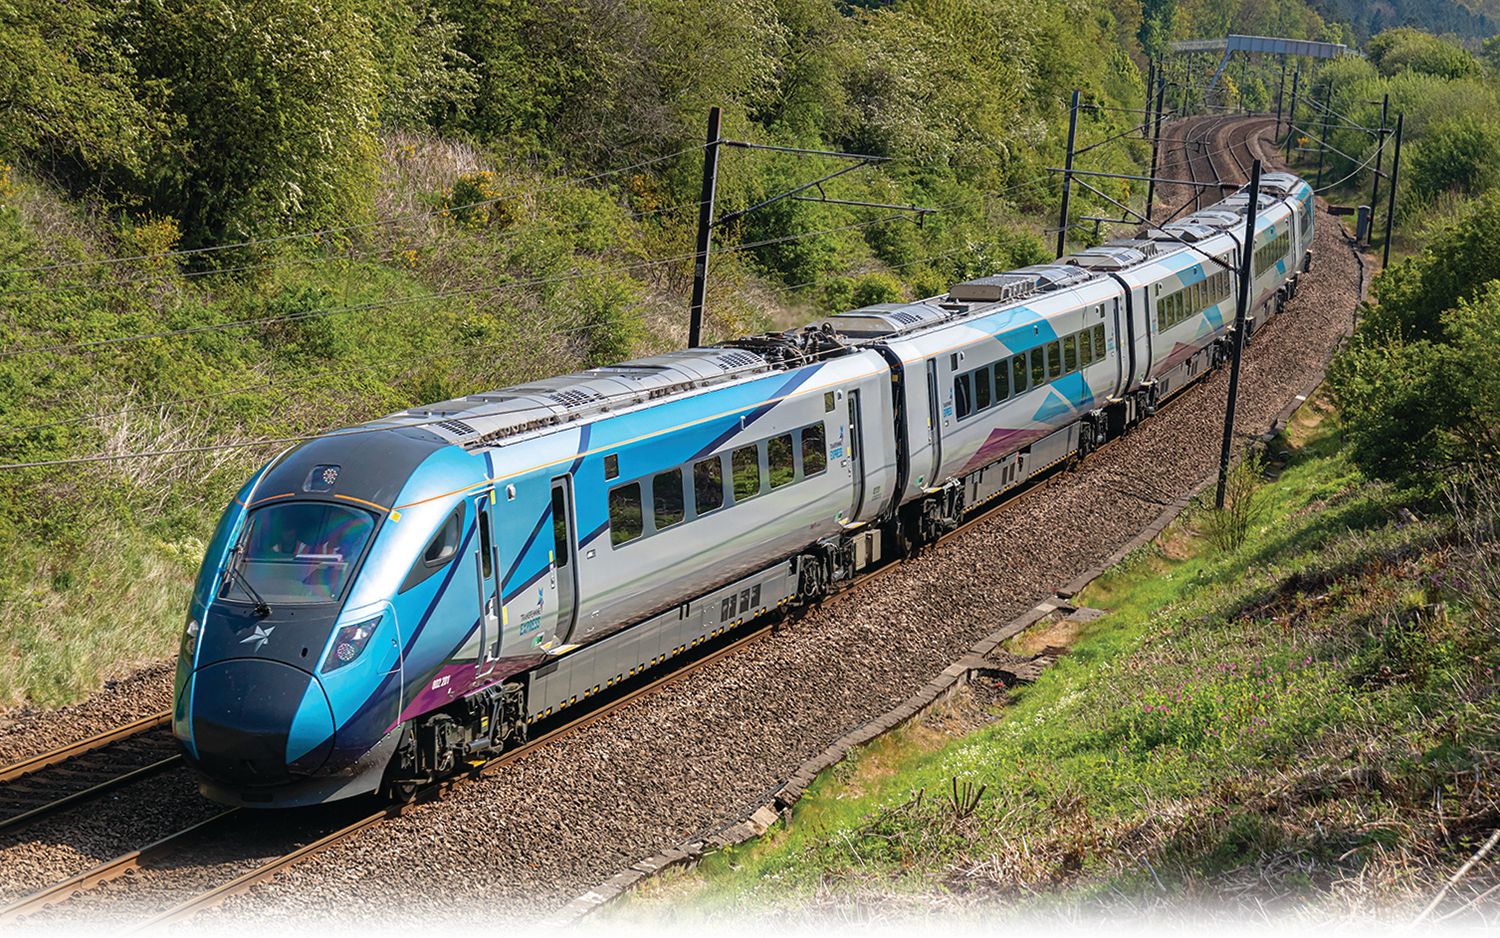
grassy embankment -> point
(1306, 722)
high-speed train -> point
(394, 600)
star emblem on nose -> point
(260, 636)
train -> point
(394, 601)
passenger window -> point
(961, 396)
(439, 550)
(814, 450)
(1018, 374)
(1038, 368)
(625, 513)
(1054, 360)
(827, 402)
(1086, 347)
(560, 547)
(612, 466)
(746, 471)
(1099, 346)
(981, 389)
(708, 485)
(1070, 354)
(779, 460)
(667, 499)
(1002, 380)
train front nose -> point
(256, 722)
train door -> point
(487, 569)
(934, 423)
(1120, 353)
(564, 570)
(854, 455)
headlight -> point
(349, 643)
(190, 639)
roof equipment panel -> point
(996, 288)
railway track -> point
(79, 773)
(160, 899)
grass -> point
(1266, 726)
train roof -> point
(482, 419)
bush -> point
(149, 238)
(1417, 411)
(1459, 155)
(475, 201)
(1414, 294)
(877, 288)
(1405, 49)
(1227, 528)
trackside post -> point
(1067, 193)
(1390, 207)
(705, 227)
(1237, 340)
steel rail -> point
(104, 872)
(17, 821)
(439, 789)
(73, 750)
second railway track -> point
(74, 775)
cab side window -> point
(439, 550)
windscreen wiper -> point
(233, 576)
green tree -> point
(1415, 412)
(68, 91)
(275, 108)
(429, 81)
(1461, 155)
(1158, 20)
(1414, 294)
(1407, 49)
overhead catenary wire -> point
(405, 364)
(534, 227)
(289, 440)
(341, 229)
(270, 382)
(1352, 173)
(467, 292)
(318, 312)
(359, 430)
